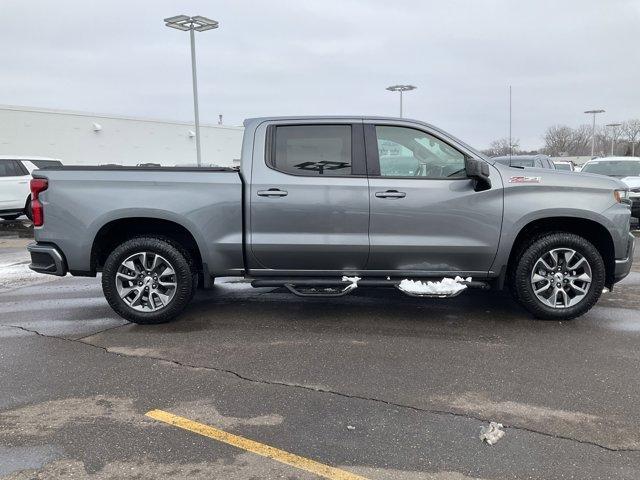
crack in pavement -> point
(79, 339)
(320, 390)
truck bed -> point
(81, 202)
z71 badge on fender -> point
(524, 180)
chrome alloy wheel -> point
(146, 282)
(561, 278)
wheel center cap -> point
(559, 277)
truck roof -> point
(254, 122)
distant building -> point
(79, 138)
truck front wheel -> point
(148, 280)
(559, 276)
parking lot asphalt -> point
(375, 384)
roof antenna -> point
(510, 142)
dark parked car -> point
(535, 161)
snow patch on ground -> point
(19, 275)
(447, 286)
(492, 433)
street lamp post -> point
(401, 89)
(593, 130)
(197, 23)
(613, 134)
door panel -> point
(315, 216)
(439, 226)
(14, 186)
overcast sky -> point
(281, 57)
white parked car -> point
(15, 173)
(626, 169)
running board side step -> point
(324, 292)
(335, 287)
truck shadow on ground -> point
(21, 228)
(373, 310)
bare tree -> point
(501, 147)
(563, 140)
(558, 140)
(631, 133)
(603, 140)
(581, 140)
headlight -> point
(621, 196)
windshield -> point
(563, 166)
(614, 168)
(516, 162)
(46, 163)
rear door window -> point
(313, 150)
(11, 168)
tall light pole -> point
(613, 134)
(193, 24)
(593, 130)
(401, 89)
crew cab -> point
(322, 205)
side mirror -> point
(479, 172)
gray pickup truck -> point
(321, 205)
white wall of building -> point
(93, 139)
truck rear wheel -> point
(148, 280)
(559, 276)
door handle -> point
(391, 194)
(273, 192)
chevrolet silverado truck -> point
(322, 205)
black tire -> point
(520, 278)
(185, 276)
(27, 209)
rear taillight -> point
(38, 185)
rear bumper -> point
(623, 266)
(47, 259)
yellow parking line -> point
(255, 447)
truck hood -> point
(558, 178)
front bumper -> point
(623, 266)
(47, 259)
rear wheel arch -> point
(590, 230)
(116, 232)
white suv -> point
(15, 173)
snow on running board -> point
(447, 286)
(353, 284)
